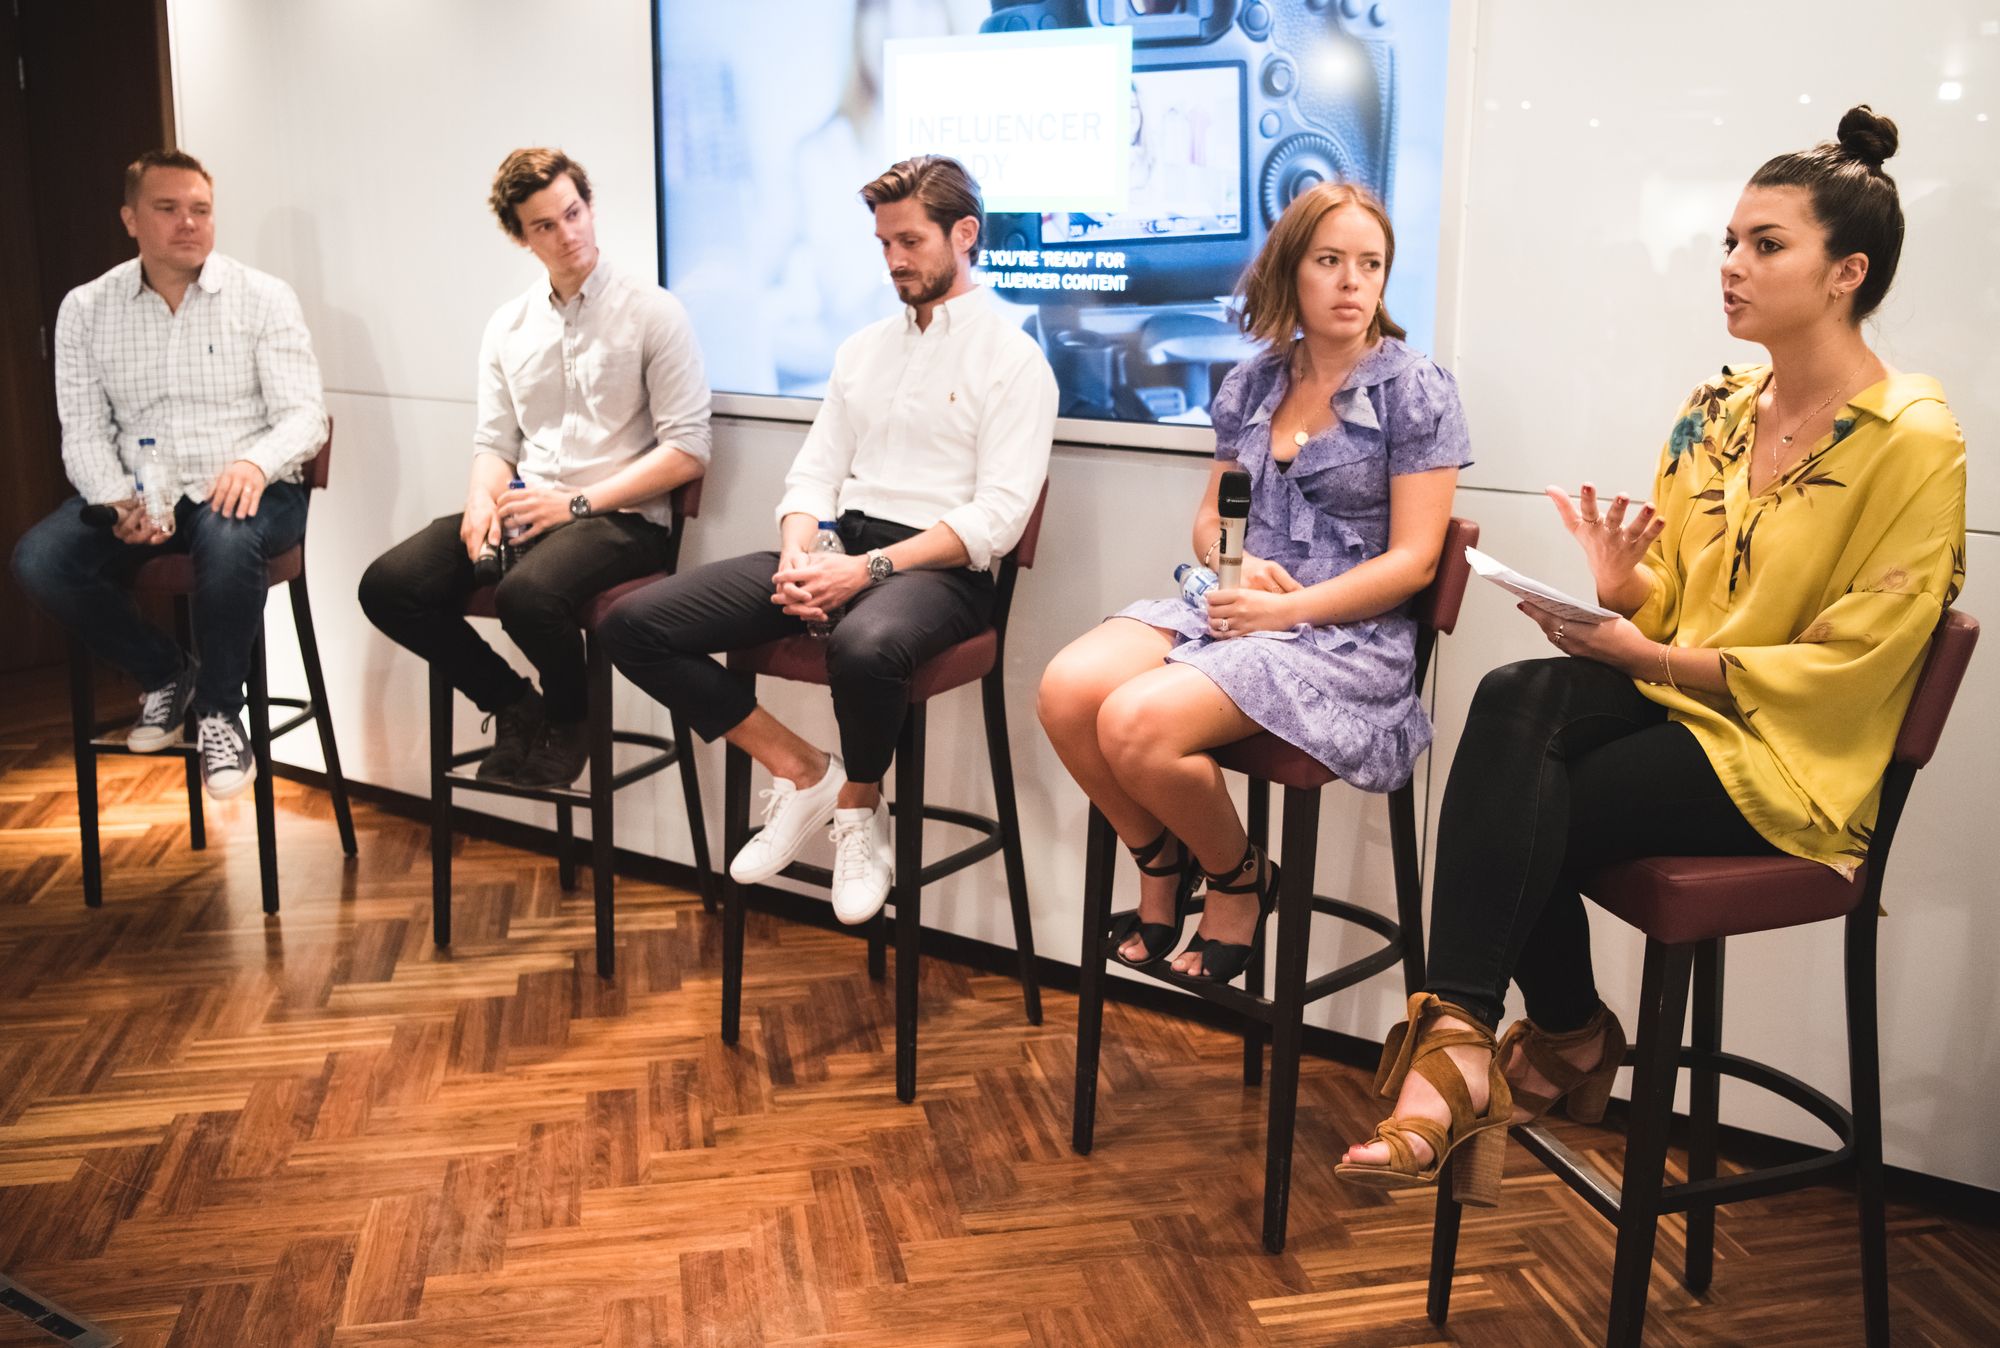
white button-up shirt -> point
(229, 375)
(571, 393)
(948, 424)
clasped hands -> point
(234, 495)
(1262, 603)
(1614, 542)
(533, 510)
(812, 585)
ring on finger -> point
(1222, 624)
(1560, 629)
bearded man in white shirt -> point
(929, 453)
(591, 394)
(193, 358)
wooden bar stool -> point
(1265, 759)
(450, 771)
(980, 660)
(173, 576)
(1687, 907)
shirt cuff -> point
(821, 505)
(109, 490)
(970, 524)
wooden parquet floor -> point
(218, 1129)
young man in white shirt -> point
(198, 358)
(591, 393)
(930, 451)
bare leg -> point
(1153, 731)
(1421, 1099)
(1073, 689)
(776, 749)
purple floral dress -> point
(1344, 692)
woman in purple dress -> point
(1353, 443)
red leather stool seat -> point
(1682, 899)
(803, 660)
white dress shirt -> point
(948, 424)
(229, 375)
(571, 393)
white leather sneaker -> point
(791, 815)
(864, 866)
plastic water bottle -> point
(158, 486)
(1195, 582)
(826, 540)
(511, 546)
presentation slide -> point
(1132, 155)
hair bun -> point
(1866, 136)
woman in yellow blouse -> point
(1808, 532)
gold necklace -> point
(1799, 425)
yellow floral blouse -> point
(1821, 593)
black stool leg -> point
(1444, 1250)
(565, 846)
(704, 865)
(1704, 1105)
(1409, 885)
(191, 759)
(735, 832)
(83, 730)
(264, 788)
(1663, 997)
(1864, 1071)
(329, 749)
(1099, 853)
(878, 947)
(993, 693)
(1301, 847)
(1253, 977)
(907, 895)
(440, 719)
(601, 830)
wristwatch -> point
(579, 507)
(880, 568)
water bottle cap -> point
(516, 485)
(146, 442)
(832, 525)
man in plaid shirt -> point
(210, 361)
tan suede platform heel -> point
(1584, 1092)
(1480, 1140)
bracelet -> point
(1667, 664)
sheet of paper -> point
(1545, 597)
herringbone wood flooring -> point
(221, 1129)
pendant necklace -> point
(1799, 425)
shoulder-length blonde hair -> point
(1268, 294)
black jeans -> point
(663, 637)
(78, 573)
(1564, 766)
(416, 592)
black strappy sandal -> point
(1158, 937)
(1222, 961)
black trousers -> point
(663, 637)
(416, 592)
(1564, 766)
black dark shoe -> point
(561, 751)
(520, 727)
(163, 712)
(1158, 937)
(1222, 961)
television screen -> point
(1132, 155)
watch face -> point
(579, 506)
(880, 567)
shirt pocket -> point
(222, 362)
(611, 380)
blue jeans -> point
(78, 573)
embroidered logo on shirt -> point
(952, 397)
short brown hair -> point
(526, 172)
(1269, 290)
(135, 172)
(940, 184)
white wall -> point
(353, 143)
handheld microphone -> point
(1232, 500)
(99, 516)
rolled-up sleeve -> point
(676, 382)
(812, 487)
(498, 431)
(1014, 441)
(89, 433)
(288, 376)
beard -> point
(928, 287)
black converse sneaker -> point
(161, 713)
(227, 767)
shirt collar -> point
(210, 278)
(1888, 398)
(1389, 359)
(947, 317)
(592, 287)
